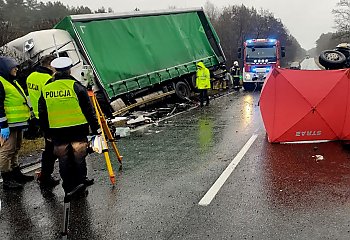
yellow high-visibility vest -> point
(35, 82)
(203, 77)
(62, 104)
(15, 104)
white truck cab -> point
(37, 44)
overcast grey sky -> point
(305, 19)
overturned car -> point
(337, 58)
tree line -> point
(233, 24)
(237, 23)
(19, 17)
(342, 26)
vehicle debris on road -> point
(318, 158)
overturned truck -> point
(133, 57)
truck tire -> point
(344, 51)
(193, 81)
(332, 59)
(182, 90)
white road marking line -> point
(29, 169)
(209, 196)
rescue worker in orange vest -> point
(14, 116)
(65, 114)
(35, 82)
(203, 83)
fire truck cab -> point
(259, 56)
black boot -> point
(78, 192)
(8, 182)
(48, 182)
(18, 176)
(89, 181)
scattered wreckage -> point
(144, 115)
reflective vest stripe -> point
(20, 124)
(61, 121)
(18, 108)
(68, 112)
(16, 115)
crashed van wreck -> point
(133, 58)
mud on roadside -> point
(30, 152)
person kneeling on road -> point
(35, 82)
(65, 114)
(14, 116)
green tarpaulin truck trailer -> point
(140, 53)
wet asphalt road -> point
(276, 191)
(309, 64)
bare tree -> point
(211, 11)
(342, 19)
(325, 41)
(101, 10)
(235, 24)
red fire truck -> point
(260, 56)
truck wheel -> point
(193, 81)
(344, 51)
(182, 90)
(332, 59)
(249, 86)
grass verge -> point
(31, 146)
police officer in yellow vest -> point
(65, 114)
(35, 82)
(14, 116)
(203, 82)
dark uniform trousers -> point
(203, 96)
(71, 156)
(48, 159)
